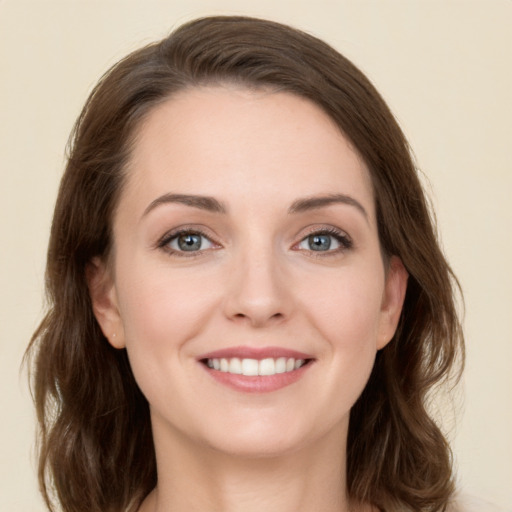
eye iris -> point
(189, 242)
(319, 242)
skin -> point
(255, 282)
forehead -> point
(236, 142)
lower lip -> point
(259, 383)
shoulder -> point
(467, 503)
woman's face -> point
(245, 240)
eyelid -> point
(343, 238)
(164, 241)
(340, 235)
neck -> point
(196, 478)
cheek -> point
(162, 306)
(162, 310)
(347, 317)
(346, 309)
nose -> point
(257, 293)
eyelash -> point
(340, 236)
(165, 241)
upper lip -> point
(244, 352)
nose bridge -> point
(257, 293)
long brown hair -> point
(95, 443)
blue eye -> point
(319, 242)
(325, 242)
(188, 241)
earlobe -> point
(104, 302)
(392, 301)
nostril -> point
(255, 308)
(258, 318)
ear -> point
(103, 295)
(392, 301)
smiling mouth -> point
(255, 367)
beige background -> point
(443, 66)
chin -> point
(270, 437)
(260, 446)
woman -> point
(248, 306)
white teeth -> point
(253, 367)
(235, 366)
(267, 367)
(249, 367)
(281, 365)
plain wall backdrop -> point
(443, 66)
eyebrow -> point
(214, 205)
(316, 202)
(202, 202)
